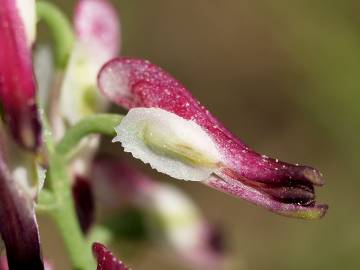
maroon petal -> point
(17, 84)
(105, 259)
(18, 226)
(137, 83)
(84, 202)
(240, 190)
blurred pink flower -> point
(172, 218)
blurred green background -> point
(282, 75)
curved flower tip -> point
(96, 22)
(105, 259)
(17, 84)
(256, 196)
(278, 186)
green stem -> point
(46, 201)
(61, 31)
(65, 216)
(99, 123)
(58, 201)
(60, 196)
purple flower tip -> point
(105, 259)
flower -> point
(235, 169)
(18, 168)
(105, 259)
(98, 39)
(171, 218)
(17, 83)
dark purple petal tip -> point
(279, 186)
(84, 202)
(291, 207)
(105, 259)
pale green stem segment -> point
(46, 201)
(100, 234)
(60, 29)
(99, 123)
(58, 201)
(78, 248)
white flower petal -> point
(180, 219)
(79, 94)
(169, 143)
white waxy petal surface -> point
(176, 133)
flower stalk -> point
(62, 209)
(99, 123)
(61, 31)
(63, 212)
(65, 216)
